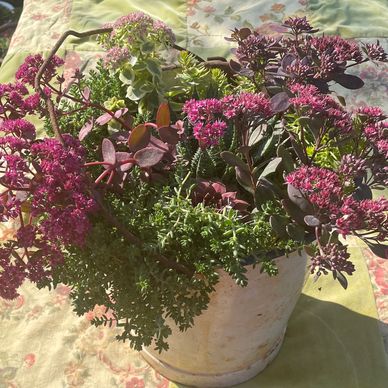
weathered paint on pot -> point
(239, 334)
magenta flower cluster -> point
(302, 57)
(61, 190)
(15, 100)
(322, 188)
(46, 189)
(298, 25)
(210, 117)
(325, 190)
(28, 70)
(308, 101)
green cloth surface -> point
(351, 18)
(333, 338)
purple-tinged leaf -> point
(278, 225)
(235, 66)
(280, 102)
(257, 134)
(380, 250)
(244, 178)
(169, 135)
(298, 199)
(233, 160)
(122, 157)
(148, 157)
(103, 119)
(108, 151)
(337, 275)
(244, 32)
(139, 138)
(271, 167)
(293, 211)
(246, 72)
(287, 60)
(312, 221)
(362, 192)
(85, 130)
(86, 94)
(120, 112)
(120, 137)
(296, 232)
(349, 81)
(156, 143)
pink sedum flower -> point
(321, 186)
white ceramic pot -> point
(239, 334)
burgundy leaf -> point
(235, 66)
(104, 119)
(244, 32)
(163, 117)
(233, 160)
(108, 151)
(121, 157)
(148, 157)
(169, 135)
(85, 130)
(156, 143)
(219, 187)
(139, 138)
(312, 221)
(297, 197)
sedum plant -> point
(159, 168)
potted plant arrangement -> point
(183, 194)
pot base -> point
(211, 380)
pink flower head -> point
(376, 52)
(60, 191)
(332, 257)
(29, 69)
(26, 236)
(315, 104)
(209, 134)
(367, 214)
(115, 56)
(341, 50)
(322, 187)
(372, 114)
(210, 116)
(203, 110)
(298, 24)
(140, 25)
(19, 127)
(248, 104)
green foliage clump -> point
(130, 282)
